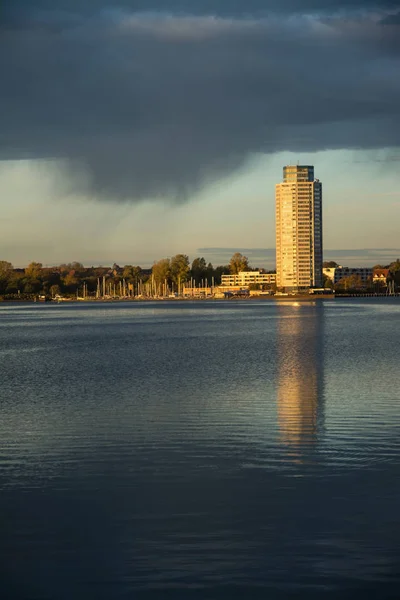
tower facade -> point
(298, 229)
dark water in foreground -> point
(200, 450)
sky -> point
(133, 130)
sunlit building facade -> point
(298, 229)
(245, 278)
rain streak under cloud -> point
(139, 105)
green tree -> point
(209, 273)
(394, 273)
(137, 277)
(179, 268)
(127, 273)
(199, 269)
(15, 282)
(270, 287)
(329, 264)
(137, 273)
(64, 268)
(34, 270)
(395, 266)
(5, 268)
(238, 263)
(77, 267)
(220, 270)
(352, 282)
(32, 286)
(70, 281)
(355, 282)
(50, 276)
(161, 271)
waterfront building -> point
(197, 292)
(380, 276)
(335, 274)
(245, 278)
(298, 229)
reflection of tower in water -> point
(300, 373)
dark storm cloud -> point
(391, 19)
(200, 7)
(155, 105)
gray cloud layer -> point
(156, 105)
(199, 7)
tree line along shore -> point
(71, 280)
(166, 278)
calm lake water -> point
(200, 450)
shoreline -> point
(277, 299)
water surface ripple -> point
(200, 450)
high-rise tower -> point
(298, 229)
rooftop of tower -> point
(298, 173)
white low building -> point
(335, 274)
(245, 278)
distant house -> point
(380, 276)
